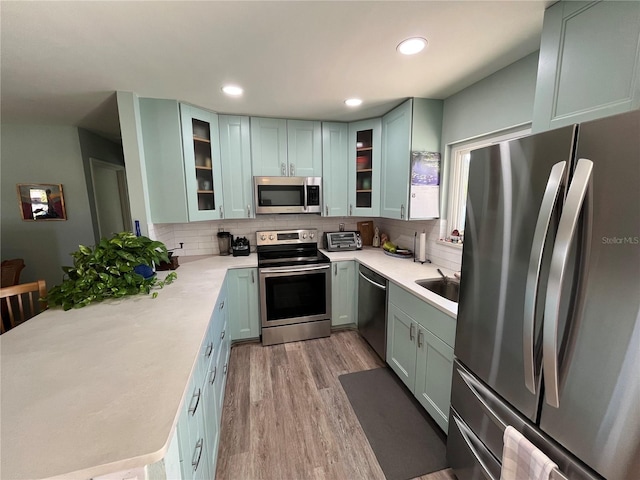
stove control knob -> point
(271, 237)
(311, 235)
(304, 235)
(263, 237)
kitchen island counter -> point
(96, 390)
(403, 272)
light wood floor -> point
(286, 416)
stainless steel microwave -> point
(288, 194)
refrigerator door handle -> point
(580, 185)
(466, 436)
(547, 207)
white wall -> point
(43, 154)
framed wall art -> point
(41, 201)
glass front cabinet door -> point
(202, 164)
(364, 167)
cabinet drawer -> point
(440, 324)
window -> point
(460, 155)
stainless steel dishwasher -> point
(372, 310)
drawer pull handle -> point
(197, 454)
(224, 370)
(223, 334)
(411, 334)
(212, 378)
(209, 350)
(193, 408)
(420, 337)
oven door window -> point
(281, 195)
(294, 296)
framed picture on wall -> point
(41, 201)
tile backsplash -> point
(200, 238)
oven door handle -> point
(294, 270)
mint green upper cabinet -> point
(286, 148)
(335, 169)
(304, 148)
(243, 300)
(235, 156)
(202, 166)
(589, 64)
(415, 125)
(269, 147)
(364, 167)
(396, 159)
(343, 293)
(164, 164)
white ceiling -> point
(62, 61)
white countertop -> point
(97, 390)
(403, 272)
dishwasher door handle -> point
(376, 284)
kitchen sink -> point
(448, 289)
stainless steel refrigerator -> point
(548, 333)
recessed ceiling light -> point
(353, 102)
(411, 46)
(232, 90)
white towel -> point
(521, 460)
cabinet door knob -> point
(283, 169)
(411, 334)
(292, 169)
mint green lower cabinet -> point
(244, 310)
(401, 345)
(343, 293)
(421, 358)
(434, 367)
(192, 436)
(198, 430)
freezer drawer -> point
(467, 455)
(486, 415)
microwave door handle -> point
(305, 186)
(547, 206)
(578, 192)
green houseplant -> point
(108, 271)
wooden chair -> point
(20, 302)
(11, 272)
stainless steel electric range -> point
(295, 286)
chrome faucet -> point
(444, 277)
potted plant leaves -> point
(114, 268)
